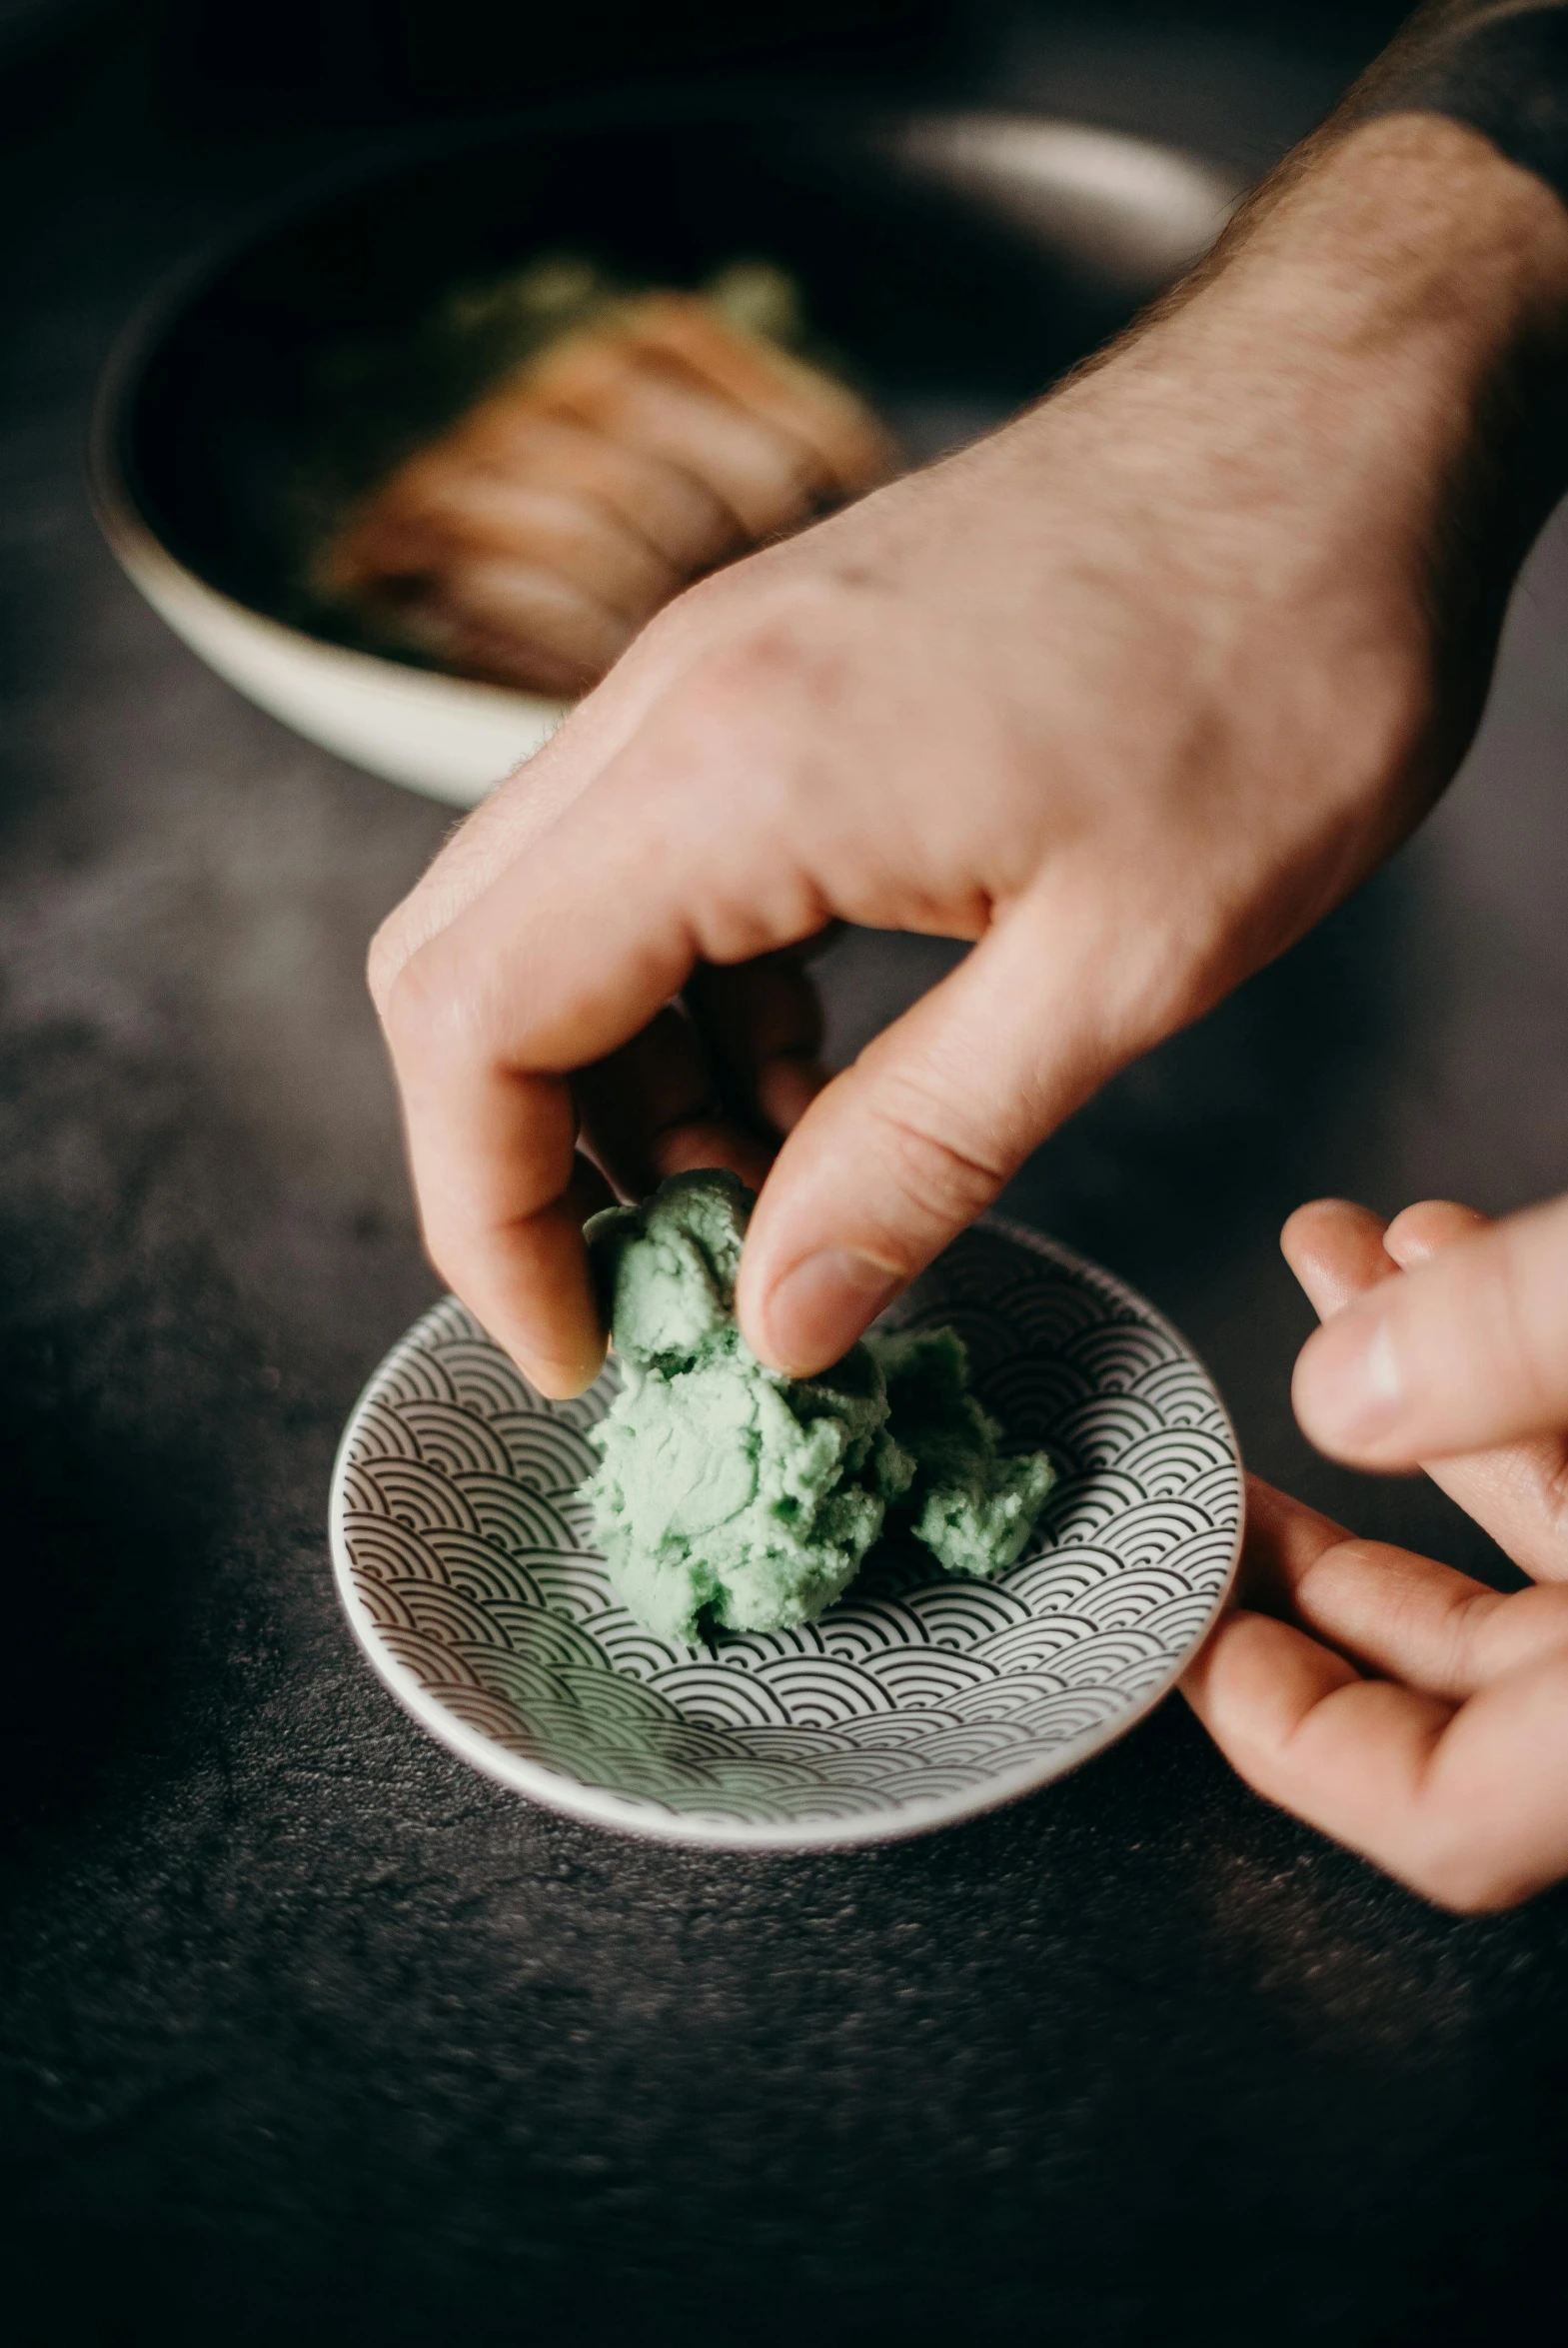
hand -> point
(1400, 1706)
(1127, 695)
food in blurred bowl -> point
(648, 439)
(410, 465)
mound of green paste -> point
(729, 1495)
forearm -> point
(1499, 65)
(1384, 326)
(1475, 234)
(1412, 283)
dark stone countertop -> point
(304, 2030)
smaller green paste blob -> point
(730, 1495)
(974, 1506)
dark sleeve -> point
(1504, 70)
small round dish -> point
(466, 1564)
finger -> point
(763, 1022)
(601, 924)
(1421, 1232)
(1464, 1806)
(900, 1153)
(1388, 1610)
(1463, 1351)
(1335, 1248)
(579, 946)
(652, 1108)
(522, 809)
(1518, 1492)
(504, 1224)
(1283, 1540)
(502, 1217)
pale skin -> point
(1397, 1704)
(1127, 697)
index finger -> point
(552, 968)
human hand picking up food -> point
(1127, 696)
(1401, 1707)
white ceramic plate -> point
(467, 1566)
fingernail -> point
(1349, 1391)
(819, 1309)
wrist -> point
(1364, 385)
(1414, 284)
(1406, 239)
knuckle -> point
(739, 694)
(934, 1167)
(1549, 1604)
(463, 1261)
(729, 730)
(767, 675)
(739, 759)
(457, 1235)
(787, 644)
(1461, 1632)
(420, 1012)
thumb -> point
(905, 1148)
(1466, 1350)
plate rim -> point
(633, 1815)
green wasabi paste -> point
(732, 1496)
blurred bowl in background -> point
(955, 264)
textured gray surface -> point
(302, 2027)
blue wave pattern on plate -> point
(471, 1565)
